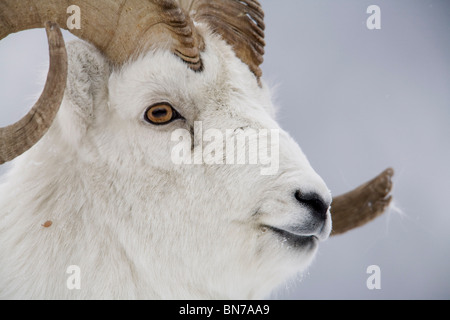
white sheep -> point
(97, 208)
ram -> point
(94, 183)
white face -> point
(217, 230)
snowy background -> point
(357, 101)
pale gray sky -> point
(357, 101)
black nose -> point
(314, 202)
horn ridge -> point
(21, 136)
(239, 22)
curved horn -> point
(240, 23)
(363, 204)
(119, 29)
(21, 136)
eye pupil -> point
(160, 114)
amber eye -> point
(161, 113)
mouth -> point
(294, 240)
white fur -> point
(137, 225)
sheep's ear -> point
(87, 86)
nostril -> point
(314, 202)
